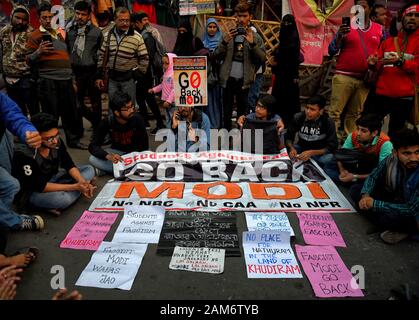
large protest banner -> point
(190, 81)
(317, 28)
(219, 180)
(199, 229)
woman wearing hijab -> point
(214, 110)
(186, 44)
(287, 60)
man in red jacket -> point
(397, 63)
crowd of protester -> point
(107, 49)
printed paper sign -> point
(318, 228)
(208, 260)
(268, 254)
(113, 265)
(190, 81)
(268, 221)
(327, 273)
(89, 231)
(140, 224)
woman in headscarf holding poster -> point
(212, 36)
(286, 63)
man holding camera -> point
(353, 44)
(48, 55)
(242, 51)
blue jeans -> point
(9, 186)
(254, 91)
(215, 106)
(60, 199)
(104, 165)
(326, 161)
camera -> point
(241, 31)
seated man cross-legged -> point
(126, 129)
(390, 196)
(48, 176)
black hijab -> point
(186, 44)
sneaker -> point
(393, 237)
(31, 223)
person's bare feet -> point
(20, 260)
(63, 295)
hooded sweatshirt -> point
(167, 88)
(14, 49)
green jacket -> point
(254, 57)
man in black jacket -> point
(154, 72)
(84, 40)
(126, 129)
(316, 135)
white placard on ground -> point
(208, 260)
(140, 224)
(113, 265)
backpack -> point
(157, 59)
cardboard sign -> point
(89, 231)
(268, 254)
(327, 273)
(113, 265)
(318, 228)
(208, 260)
(140, 224)
(199, 229)
(268, 221)
(190, 81)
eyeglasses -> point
(51, 139)
(128, 108)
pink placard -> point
(89, 232)
(327, 273)
(319, 228)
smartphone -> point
(241, 31)
(47, 37)
(346, 21)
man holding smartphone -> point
(242, 51)
(352, 45)
(49, 56)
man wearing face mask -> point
(21, 87)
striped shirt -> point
(127, 54)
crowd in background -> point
(108, 48)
